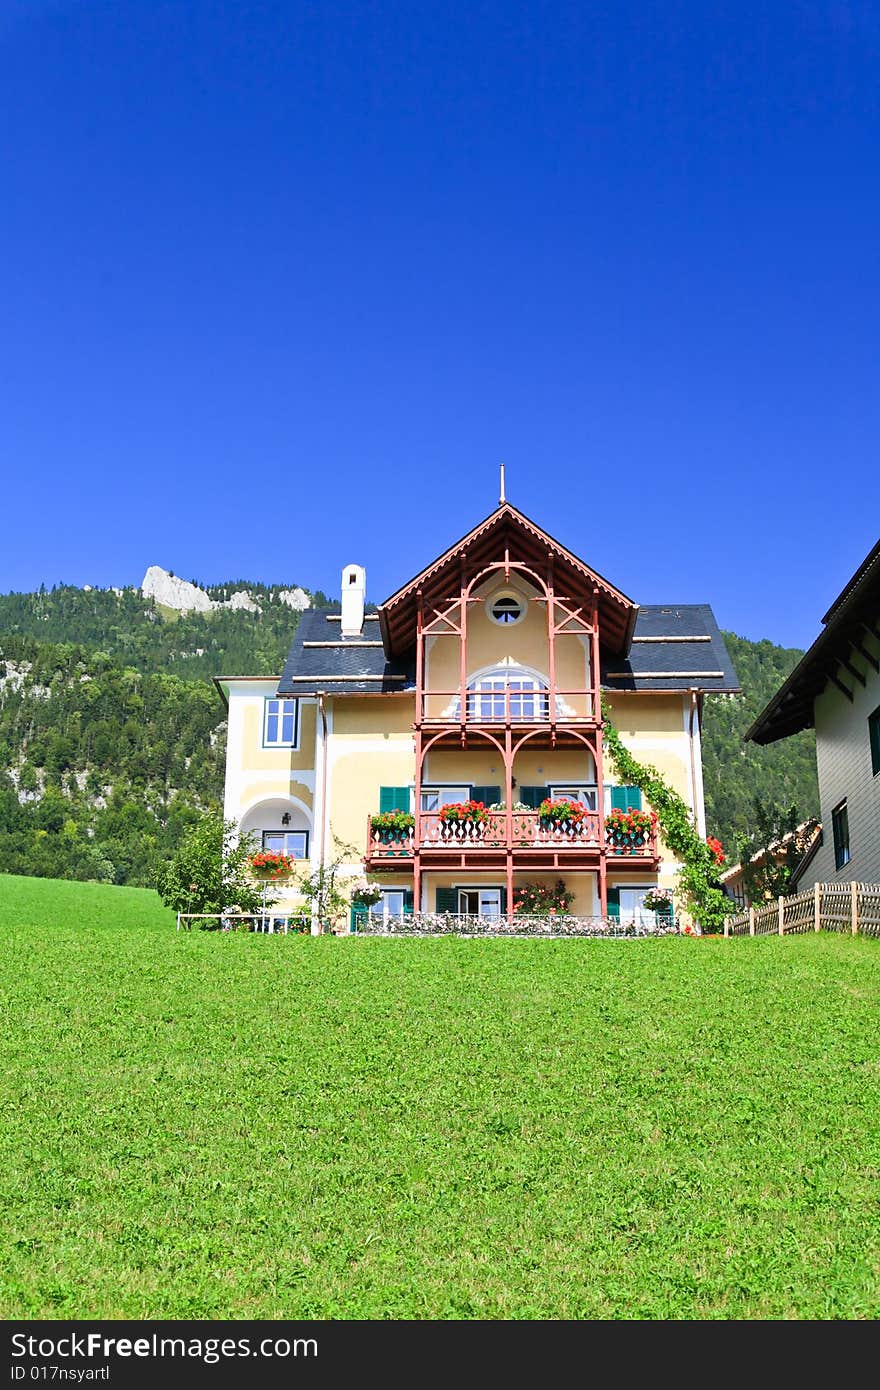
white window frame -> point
(489, 694)
(281, 713)
(637, 912)
(509, 594)
(383, 909)
(584, 792)
(286, 835)
(445, 795)
(483, 906)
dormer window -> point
(506, 607)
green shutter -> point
(394, 798)
(488, 795)
(614, 902)
(532, 796)
(447, 900)
(503, 901)
(408, 902)
(359, 915)
(626, 799)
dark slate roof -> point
(309, 669)
(696, 658)
(702, 662)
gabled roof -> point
(321, 659)
(853, 616)
(675, 647)
(505, 529)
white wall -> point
(843, 755)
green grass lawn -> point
(247, 1126)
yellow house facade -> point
(480, 681)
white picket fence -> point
(842, 907)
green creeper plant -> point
(698, 875)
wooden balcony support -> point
(527, 717)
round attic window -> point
(506, 607)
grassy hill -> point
(112, 736)
(204, 1125)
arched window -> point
(495, 694)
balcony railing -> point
(509, 704)
(515, 924)
(528, 830)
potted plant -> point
(392, 826)
(468, 814)
(561, 814)
(629, 831)
(270, 864)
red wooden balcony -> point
(511, 701)
(535, 844)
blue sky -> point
(282, 284)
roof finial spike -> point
(502, 499)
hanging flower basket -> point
(270, 864)
(659, 900)
(629, 831)
(365, 894)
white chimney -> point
(354, 588)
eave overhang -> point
(835, 657)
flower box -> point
(629, 831)
(464, 813)
(561, 814)
(392, 826)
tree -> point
(329, 904)
(772, 852)
(209, 872)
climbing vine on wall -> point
(698, 876)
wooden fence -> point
(843, 907)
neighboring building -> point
(481, 678)
(835, 689)
(801, 842)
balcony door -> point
(480, 902)
(632, 906)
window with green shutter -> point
(531, 796)
(394, 798)
(626, 798)
(488, 795)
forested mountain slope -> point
(737, 774)
(112, 736)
